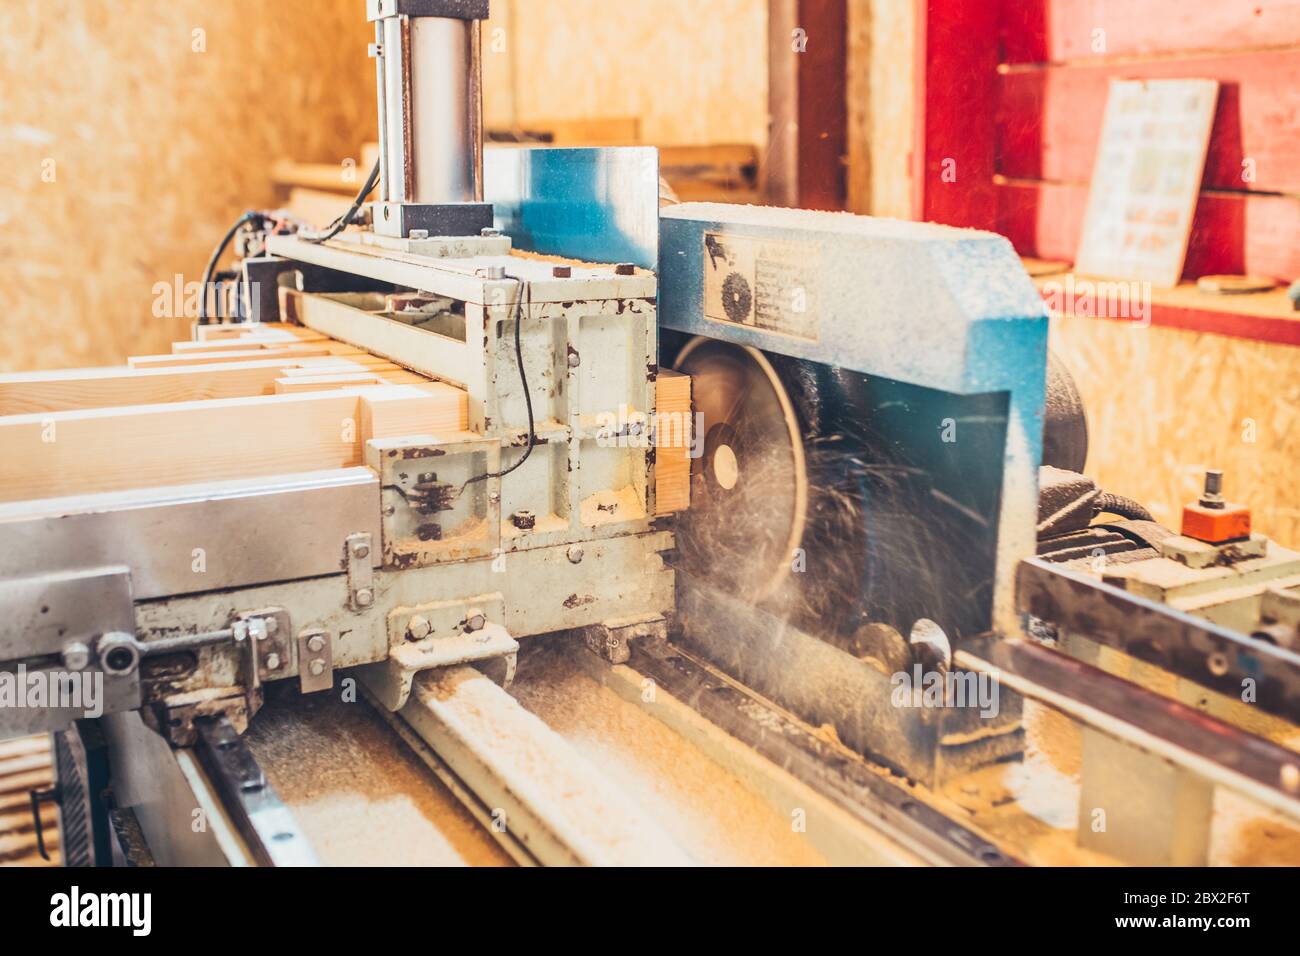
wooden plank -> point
(316, 206)
(236, 355)
(321, 383)
(1049, 119)
(66, 389)
(261, 340)
(1055, 30)
(1232, 233)
(432, 409)
(110, 449)
(673, 424)
(1260, 317)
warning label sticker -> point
(764, 285)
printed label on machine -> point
(762, 284)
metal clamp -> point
(315, 661)
(361, 576)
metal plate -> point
(1190, 647)
(44, 612)
(195, 538)
(597, 205)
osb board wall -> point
(693, 72)
(880, 94)
(155, 137)
(1164, 405)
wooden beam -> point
(672, 442)
(67, 389)
(111, 449)
(236, 355)
(290, 385)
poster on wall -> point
(1146, 179)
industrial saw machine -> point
(774, 474)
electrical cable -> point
(339, 224)
(216, 256)
(523, 383)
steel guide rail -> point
(790, 745)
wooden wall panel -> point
(692, 72)
(1164, 405)
(155, 137)
(1049, 31)
(1049, 119)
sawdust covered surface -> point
(710, 813)
(358, 792)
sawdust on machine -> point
(359, 793)
(712, 815)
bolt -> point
(496, 273)
(317, 667)
(273, 661)
(487, 232)
(360, 551)
(1213, 496)
(561, 272)
(575, 554)
(524, 520)
(475, 620)
(418, 628)
(76, 656)
(316, 643)
(365, 597)
(574, 359)
(272, 625)
(427, 477)
(258, 629)
(389, 511)
(419, 234)
(625, 269)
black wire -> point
(339, 224)
(216, 256)
(523, 383)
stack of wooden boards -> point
(26, 764)
(238, 401)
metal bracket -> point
(361, 576)
(612, 640)
(267, 633)
(441, 634)
(315, 660)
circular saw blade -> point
(749, 488)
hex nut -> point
(316, 643)
(317, 667)
(475, 620)
(575, 554)
(418, 628)
(365, 597)
(273, 661)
